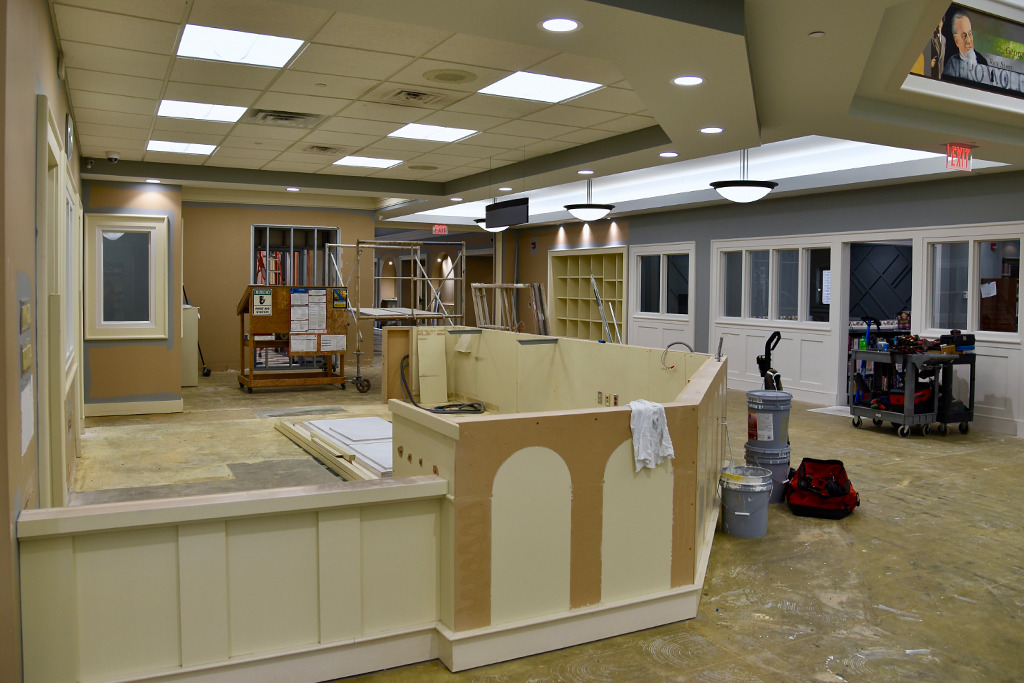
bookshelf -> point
(573, 308)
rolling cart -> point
(952, 409)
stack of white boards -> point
(355, 447)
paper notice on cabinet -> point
(300, 313)
(300, 325)
(988, 289)
(318, 295)
(302, 343)
(318, 315)
(332, 342)
(299, 297)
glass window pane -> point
(677, 295)
(789, 283)
(733, 270)
(999, 269)
(759, 271)
(949, 288)
(650, 283)
(70, 280)
(819, 284)
(125, 276)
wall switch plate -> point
(26, 357)
(26, 315)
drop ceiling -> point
(366, 69)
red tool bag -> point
(821, 488)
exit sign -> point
(440, 229)
(958, 157)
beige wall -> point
(28, 67)
(216, 263)
(138, 370)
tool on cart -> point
(772, 378)
(868, 320)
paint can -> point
(775, 460)
(768, 418)
(745, 492)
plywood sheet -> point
(432, 367)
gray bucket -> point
(768, 418)
(776, 460)
(745, 493)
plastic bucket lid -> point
(746, 478)
(769, 399)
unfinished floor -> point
(923, 581)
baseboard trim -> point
(134, 408)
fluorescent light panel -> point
(176, 109)
(523, 85)
(367, 162)
(180, 147)
(420, 131)
(222, 45)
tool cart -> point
(952, 409)
(901, 388)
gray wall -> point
(957, 200)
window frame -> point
(774, 271)
(663, 251)
(157, 227)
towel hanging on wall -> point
(652, 444)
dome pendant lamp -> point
(589, 211)
(743, 191)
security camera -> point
(89, 163)
(113, 157)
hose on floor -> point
(447, 409)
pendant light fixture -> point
(744, 191)
(589, 211)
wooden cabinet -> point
(572, 303)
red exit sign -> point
(958, 157)
(440, 229)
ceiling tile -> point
(467, 150)
(120, 145)
(368, 33)
(301, 103)
(403, 172)
(99, 151)
(95, 130)
(321, 85)
(568, 115)
(193, 126)
(106, 28)
(268, 132)
(343, 61)
(533, 129)
(290, 20)
(234, 162)
(114, 60)
(330, 137)
(112, 118)
(547, 147)
(456, 119)
(182, 136)
(114, 84)
(566, 65)
(342, 124)
(221, 73)
(260, 155)
(502, 141)
(463, 48)
(384, 112)
(293, 166)
(411, 147)
(354, 171)
(490, 105)
(585, 135)
(256, 145)
(440, 159)
(172, 158)
(627, 124)
(611, 99)
(212, 94)
(116, 103)
(415, 74)
(161, 10)
(318, 160)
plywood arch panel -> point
(530, 536)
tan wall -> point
(142, 370)
(216, 262)
(28, 67)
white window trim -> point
(671, 249)
(156, 326)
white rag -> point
(652, 444)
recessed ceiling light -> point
(456, 199)
(180, 147)
(505, 189)
(176, 109)
(419, 131)
(816, 34)
(368, 162)
(153, 180)
(292, 189)
(688, 80)
(711, 130)
(222, 45)
(585, 172)
(669, 155)
(523, 85)
(560, 25)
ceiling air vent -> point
(275, 117)
(413, 97)
(325, 149)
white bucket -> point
(745, 494)
(776, 460)
(768, 418)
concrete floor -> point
(923, 581)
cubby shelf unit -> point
(573, 308)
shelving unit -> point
(573, 308)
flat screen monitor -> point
(510, 212)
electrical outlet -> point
(600, 398)
(26, 315)
(26, 357)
